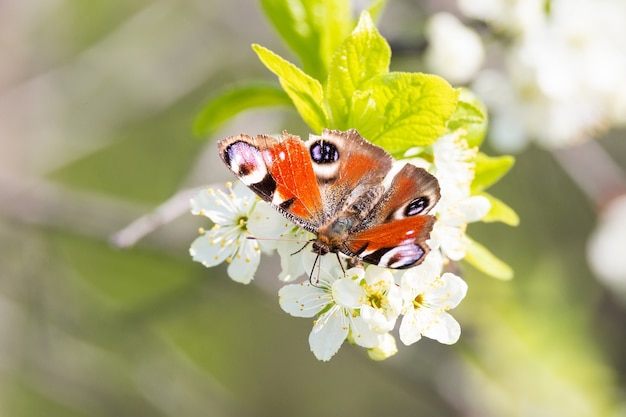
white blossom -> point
(454, 51)
(427, 301)
(233, 215)
(454, 164)
(605, 249)
(335, 299)
(560, 78)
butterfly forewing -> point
(279, 171)
(345, 160)
(297, 191)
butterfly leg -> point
(315, 262)
(302, 248)
(340, 264)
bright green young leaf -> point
(500, 212)
(470, 115)
(399, 111)
(313, 29)
(306, 92)
(235, 100)
(489, 169)
(360, 57)
(482, 259)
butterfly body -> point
(334, 185)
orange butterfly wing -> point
(280, 172)
(394, 233)
(398, 244)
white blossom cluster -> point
(363, 305)
(555, 72)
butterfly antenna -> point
(273, 239)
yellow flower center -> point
(376, 299)
(418, 302)
(242, 222)
(376, 296)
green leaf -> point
(500, 212)
(360, 57)
(470, 115)
(235, 100)
(401, 110)
(313, 29)
(489, 170)
(306, 92)
(482, 259)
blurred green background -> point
(97, 100)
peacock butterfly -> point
(333, 185)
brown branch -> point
(40, 202)
(165, 213)
(593, 170)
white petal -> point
(386, 347)
(302, 300)
(328, 333)
(291, 265)
(295, 259)
(445, 329)
(245, 262)
(450, 239)
(241, 190)
(475, 208)
(410, 331)
(362, 334)
(348, 293)
(418, 276)
(203, 200)
(210, 203)
(455, 51)
(204, 250)
(395, 297)
(356, 274)
(375, 275)
(376, 320)
(450, 294)
(265, 223)
(327, 272)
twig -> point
(40, 202)
(45, 203)
(593, 170)
(171, 209)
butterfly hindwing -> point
(412, 191)
(394, 233)
(398, 244)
